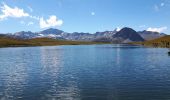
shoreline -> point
(163, 42)
(51, 45)
(11, 42)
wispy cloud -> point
(12, 12)
(35, 17)
(22, 22)
(162, 4)
(31, 10)
(30, 23)
(160, 29)
(142, 26)
(59, 3)
(158, 7)
(93, 13)
(51, 22)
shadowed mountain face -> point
(125, 35)
(2, 35)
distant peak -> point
(51, 29)
(127, 29)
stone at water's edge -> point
(169, 52)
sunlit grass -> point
(160, 42)
(11, 42)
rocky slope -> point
(148, 35)
(126, 35)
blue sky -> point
(84, 15)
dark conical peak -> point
(128, 33)
(125, 32)
(51, 31)
(127, 29)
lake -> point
(84, 72)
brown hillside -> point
(159, 42)
(11, 42)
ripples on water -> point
(93, 72)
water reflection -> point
(118, 56)
(61, 87)
(51, 61)
(14, 77)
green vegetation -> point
(11, 42)
(163, 42)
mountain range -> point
(124, 35)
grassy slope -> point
(160, 42)
(11, 42)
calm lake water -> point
(84, 72)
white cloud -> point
(15, 12)
(160, 29)
(93, 13)
(118, 29)
(12, 12)
(30, 23)
(51, 22)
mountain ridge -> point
(124, 35)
